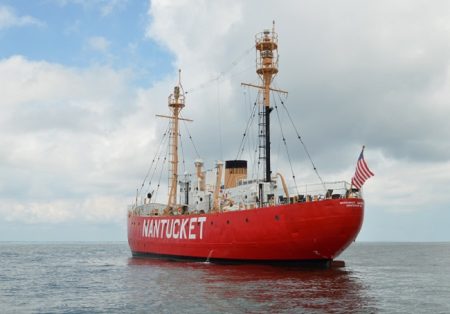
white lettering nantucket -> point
(174, 228)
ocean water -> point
(103, 278)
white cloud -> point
(357, 74)
(54, 211)
(99, 44)
(93, 209)
(73, 143)
(402, 186)
(198, 42)
(408, 187)
(8, 18)
(110, 6)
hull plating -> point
(310, 231)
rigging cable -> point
(221, 74)
(249, 122)
(157, 160)
(257, 142)
(154, 158)
(179, 135)
(285, 144)
(219, 114)
(190, 137)
(160, 173)
(183, 162)
(301, 141)
(154, 172)
(253, 141)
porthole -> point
(277, 217)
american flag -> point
(362, 172)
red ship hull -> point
(302, 232)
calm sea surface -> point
(103, 278)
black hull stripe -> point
(315, 263)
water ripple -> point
(103, 278)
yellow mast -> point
(267, 62)
(266, 67)
(176, 103)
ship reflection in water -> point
(248, 288)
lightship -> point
(237, 219)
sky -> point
(82, 80)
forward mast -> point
(176, 104)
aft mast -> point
(267, 68)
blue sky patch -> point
(85, 33)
